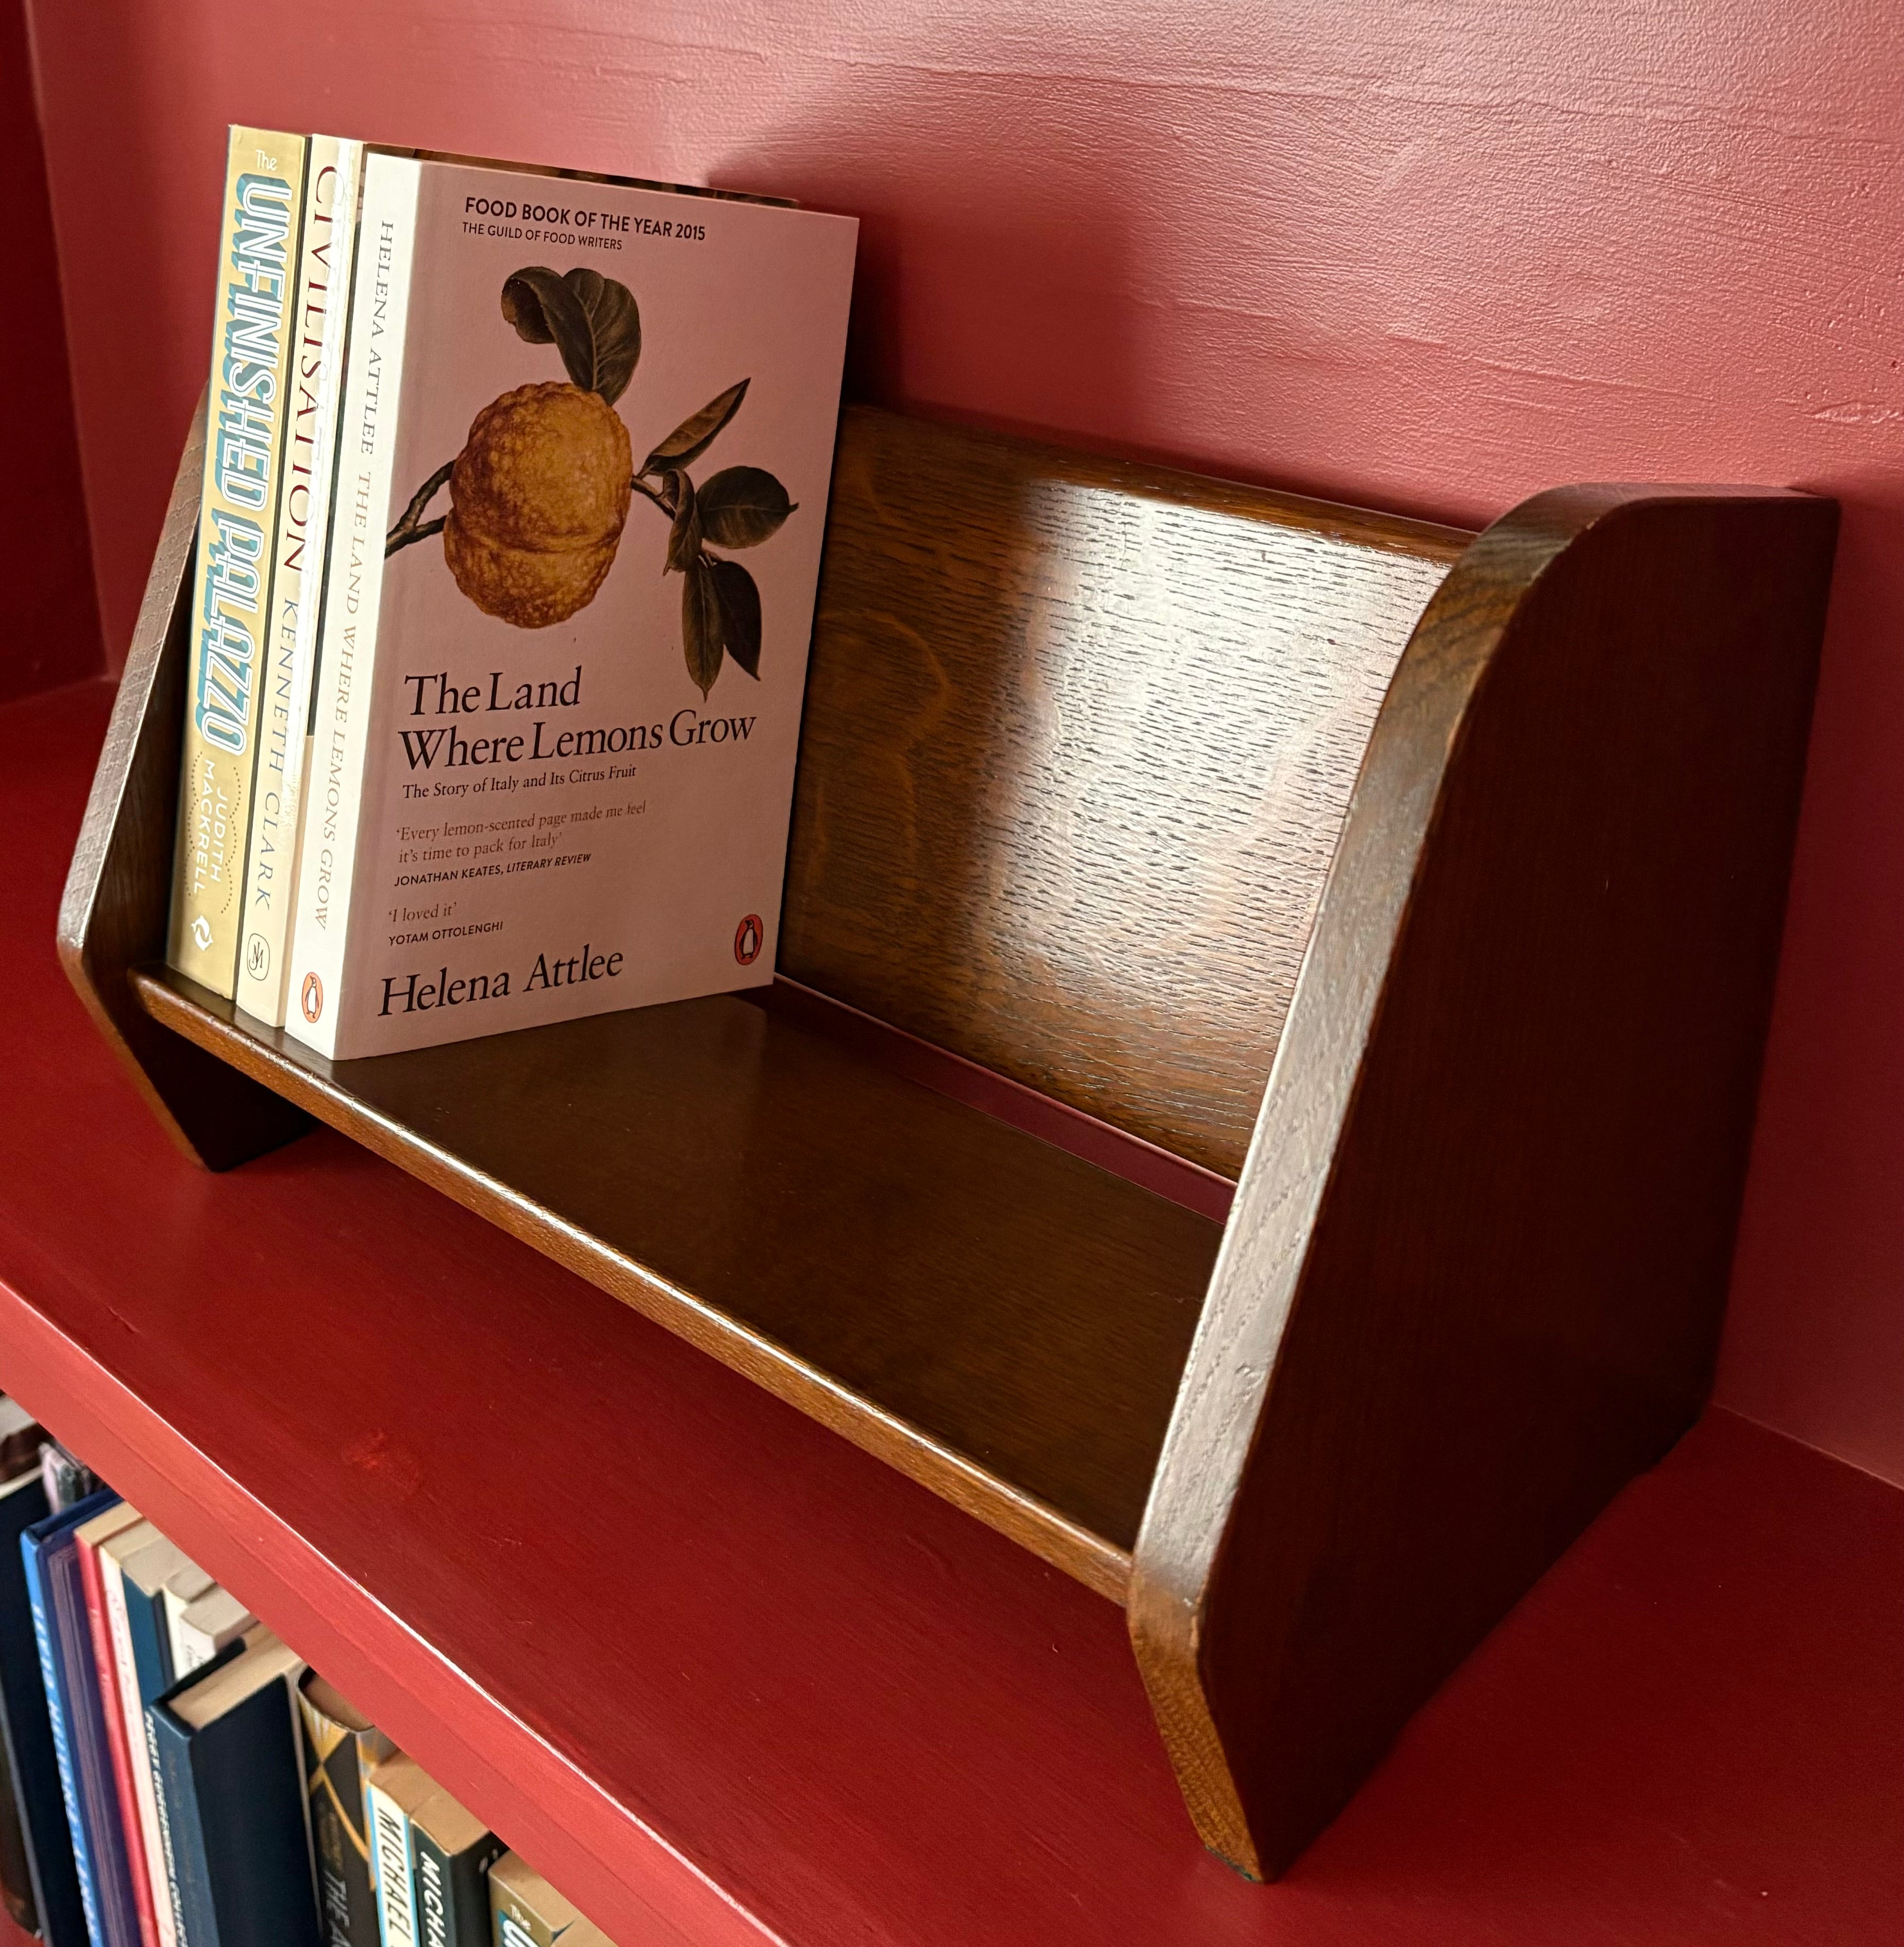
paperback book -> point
(231, 612)
(529, 1912)
(299, 543)
(339, 1746)
(587, 433)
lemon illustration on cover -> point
(540, 493)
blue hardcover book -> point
(226, 1758)
(49, 1552)
(29, 1728)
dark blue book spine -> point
(32, 1551)
(180, 1828)
(145, 1623)
(249, 1771)
(236, 1791)
(30, 1732)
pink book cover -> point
(606, 504)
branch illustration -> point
(596, 328)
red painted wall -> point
(1429, 257)
(49, 616)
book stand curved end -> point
(1257, 1104)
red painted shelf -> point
(725, 1678)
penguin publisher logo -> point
(310, 996)
(748, 939)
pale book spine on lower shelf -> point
(390, 1854)
(354, 581)
(227, 673)
(301, 543)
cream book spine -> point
(231, 584)
(353, 589)
(302, 537)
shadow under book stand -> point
(1129, 802)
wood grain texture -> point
(119, 890)
(750, 1687)
(1001, 1320)
(1079, 736)
(1474, 1275)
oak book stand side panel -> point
(1082, 739)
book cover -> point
(132, 1565)
(300, 541)
(579, 517)
(227, 673)
(450, 1852)
(92, 1537)
(51, 1552)
(528, 1911)
(227, 1755)
(31, 1756)
(339, 1746)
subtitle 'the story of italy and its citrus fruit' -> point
(585, 432)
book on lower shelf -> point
(495, 689)
(176, 1776)
(226, 1762)
(50, 1549)
(529, 1912)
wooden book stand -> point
(1159, 841)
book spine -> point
(188, 1872)
(92, 1762)
(56, 1705)
(340, 1842)
(93, 1571)
(429, 1873)
(303, 534)
(353, 586)
(231, 584)
(133, 1694)
(516, 1925)
(452, 1892)
(390, 1847)
(250, 1798)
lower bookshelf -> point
(723, 1678)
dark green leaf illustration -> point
(700, 623)
(591, 320)
(684, 537)
(741, 506)
(694, 435)
(740, 613)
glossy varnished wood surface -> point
(1079, 738)
(1002, 1321)
(731, 1682)
(1475, 1274)
(1472, 1278)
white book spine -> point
(176, 1601)
(201, 1642)
(302, 535)
(138, 1750)
(354, 585)
(390, 1855)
